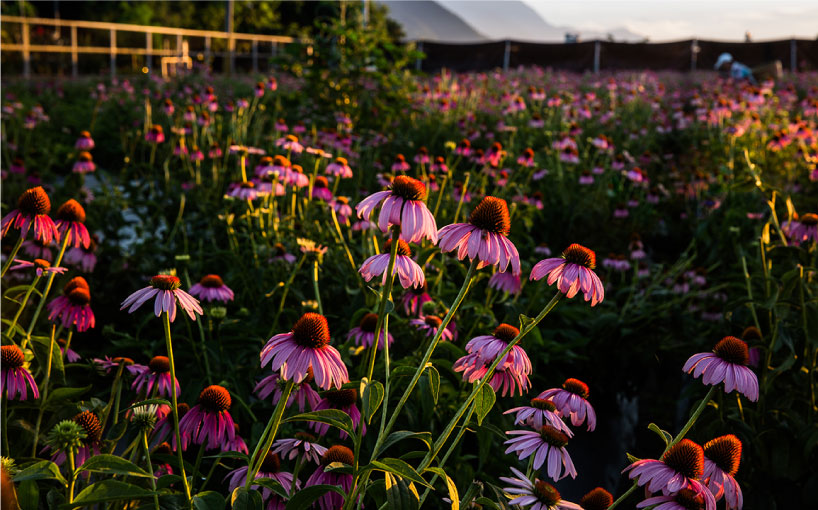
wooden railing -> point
(260, 45)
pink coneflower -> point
(439, 165)
(302, 445)
(400, 164)
(402, 206)
(237, 444)
(414, 299)
(344, 400)
(290, 143)
(294, 176)
(463, 148)
(196, 154)
(211, 288)
(804, 229)
(680, 468)
(572, 401)
(320, 189)
(71, 222)
(409, 272)
(70, 354)
(41, 266)
(685, 499)
(726, 364)
(107, 364)
(281, 254)
(209, 421)
(364, 333)
(37, 249)
(546, 444)
(84, 163)
(505, 282)
(215, 151)
(429, 326)
(526, 159)
(573, 271)
(422, 156)
(155, 134)
(307, 345)
(90, 444)
(84, 142)
(512, 371)
(166, 290)
(33, 207)
(721, 460)
(536, 495)
(331, 500)
(83, 257)
(484, 236)
(164, 425)
(302, 392)
(540, 412)
(586, 178)
(342, 208)
(157, 374)
(596, 499)
(339, 168)
(244, 190)
(73, 307)
(270, 468)
(15, 378)
(280, 125)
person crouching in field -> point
(727, 66)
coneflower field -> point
(503, 290)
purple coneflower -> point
(71, 222)
(281, 254)
(726, 364)
(107, 365)
(512, 370)
(270, 468)
(573, 271)
(364, 332)
(804, 229)
(429, 325)
(166, 290)
(155, 134)
(572, 400)
(303, 444)
(320, 189)
(212, 288)
(290, 143)
(680, 468)
(346, 401)
(73, 307)
(402, 206)
(244, 190)
(209, 421)
(16, 379)
(439, 165)
(536, 495)
(331, 500)
(596, 499)
(342, 208)
(505, 282)
(38, 250)
(307, 345)
(302, 392)
(70, 354)
(721, 460)
(339, 168)
(685, 499)
(41, 266)
(294, 176)
(414, 299)
(90, 443)
(156, 373)
(164, 426)
(84, 164)
(546, 444)
(409, 272)
(84, 142)
(400, 164)
(237, 444)
(83, 257)
(33, 207)
(540, 412)
(484, 236)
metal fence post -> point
(419, 61)
(74, 55)
(507, 56)
(113, 54)
(793, 55)
(26, 51)
(597, 49)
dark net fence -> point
(794, 55)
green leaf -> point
(60, 395)
(664, 434)
(40, 345)
(108, 490)
(334, 417)
(402, 371)
(525, 321)
(453, 494)
(274, 485)
(400, 468)
(434, 382)
(372, 397)
(400, 435)
(166, 481)
(112, 465)
(484, 401)
(28, 495)
(305, 497)
(208, 500)
(398, 495)
(42, 470)
(243, 499)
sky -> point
(667, 20)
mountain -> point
(505, 20)
(429, 21)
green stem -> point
(286, 290)
(257, 459)
(315, 285)
(175, 407)
(463, 192)
(114, 392)
(150, 468)
(72, 475)
(44, 395)
(209, 474)
(4, 421)
(48, 285)
(14, 251)
(451, 450)
(23, 304)
(198, 463)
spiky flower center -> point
(247, 185)
(181, 409)
(491, 214)
(732, 350)
(403, 247)
(433, 321)
(163, 449)
(305, 436)
(341, 161)
(121, 360)
(690, 500)
(215, 399)
(553, 436)
(809, 219)
(211, 281)
(580, 255)
(71, 210)
(597, 499)
(400, 158)
(725, 452)
(506, 332)
(685, 457)
(165, 282)
(79, 297)
(419, 291)
(576, 386)
(342, 200)
(369, 322)
(159, 365)
(338, 453)
(78, 282)
(311, 330)
(91, 424)
(751, 333)
(292, 138)
(342, 398)
(34, 202)
(543, 404)
(280, 160)
(85, 157)
(42, 263)
(546, 493)
(12, 357)
(85, 134)
(408, 188)
(271, 464)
